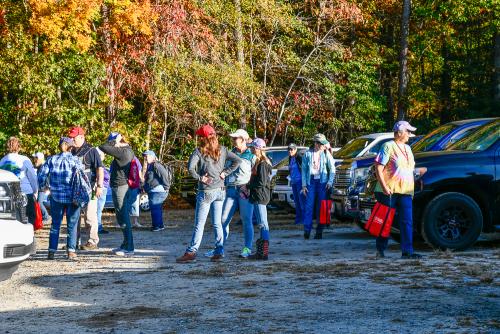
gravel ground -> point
(334, 285)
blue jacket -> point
(326, 168)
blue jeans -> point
(156, 200)
(300, 202)
(316, 192)
(42, 197)
(403, 216)
(122, 199)
(234, 201)
(208, 201)
(72, 219)
(134, 205)
(261, 213)
(100, 206)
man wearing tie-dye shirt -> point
(394, 166)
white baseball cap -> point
(39, 155)
(240, 133)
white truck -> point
(16, 234)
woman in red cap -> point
(206, 164)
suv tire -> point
(452, 220)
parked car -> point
(16, 234)
(459, 195)
(437, 140)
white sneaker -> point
(137, 224)
(122, 252)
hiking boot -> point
(186, 258)
(245, 253)
(72, 256)
(260, 250)
(265, 250)
(318, 235)
(307, 235)
(51, 256)
(89, 246)
(413, 256)
(122, 252)
(380, 255)
(216, 257)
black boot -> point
(265, 249)
(260, 250)
(307, 234)
(318, 235)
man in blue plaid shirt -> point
(60, 169)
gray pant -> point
(122, 200)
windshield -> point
(433, 137)
(480, 140)
(277, 156)
(352, 148)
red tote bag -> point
(325, 211)
(380, 221)
(38, 217)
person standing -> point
(39, 160)
(260, 195)
(207, 165)
(101, 201)
(157, 186)
(295, 169)
(135, 210)
(120, 150)
(22, 167)
(394, 168)
(318, 171)
(94, 169)
(59, 170)
(237, 193)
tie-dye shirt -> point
(399, 166)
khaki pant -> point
(89, 214)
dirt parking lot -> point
(334, 285)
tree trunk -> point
(110, 79)
(403, 61)
(240, 54)
(445, 84)
(496, 96)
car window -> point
(376, 148)
(276, 156)
(352, 148)
(459, 135)
(481, 139)
(433, 137)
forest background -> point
(155, 70)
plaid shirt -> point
(59, 169)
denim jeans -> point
(231, 204)
(156, 200)
(72, 218)
(122, 199)
(300, 202)
(316, 192)
(42, 197)
(261, 213)
(208, 201)
(134, 205)
(101, 201)
(30, 209)
(403, 216)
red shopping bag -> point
(325, 211)
(380, 221)
(38, 217)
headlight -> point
(360, 174)
(7, 209)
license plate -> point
(282, 197)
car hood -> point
(422, 158)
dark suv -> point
(459, 195)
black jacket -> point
(156, 174)
(260, 183)
(120, 167)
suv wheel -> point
(144, 202)
(452, 221)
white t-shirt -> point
(22, 167)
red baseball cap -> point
(205, 131)
(76, 131)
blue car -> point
(356, 170)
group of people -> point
(229, 180)
(77, 157)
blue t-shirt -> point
(295, 175)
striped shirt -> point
(60, 169)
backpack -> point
(166, 178)
(134, 180)
(80, 188)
